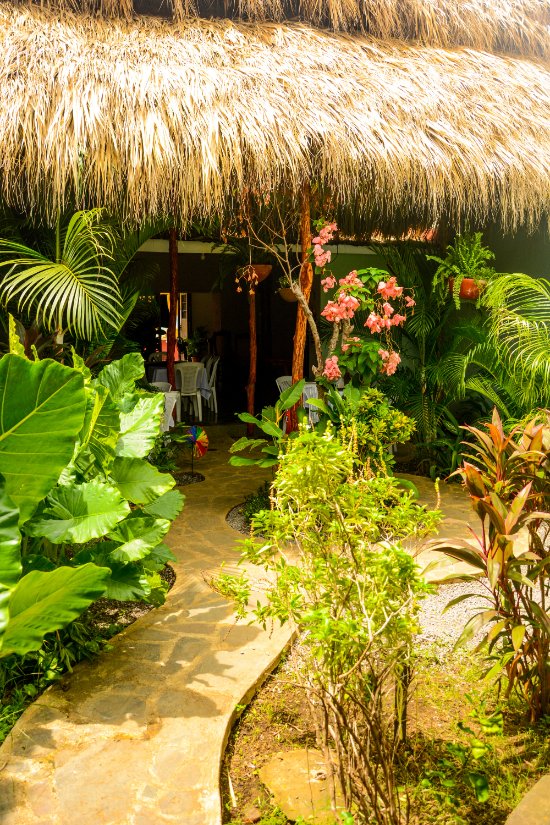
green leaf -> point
(159, 557)
(269, 428)
(320, 405)
(44, 602)
(541, 615)
(14, 343)
(518, 633)
(246, 443)
(460, 550)
(42, 409)
(100, 432)
(291, 396)
(249, 419)
(138, 481)
(140, 428)
(137, 537)
(79, 513)
(10, 555)
(480, 786)
(120, 376)
(167, 506)
(240, 461)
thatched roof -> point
(494, 25)
(149, 117)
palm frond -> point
(78, 292)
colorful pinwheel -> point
(197, 439)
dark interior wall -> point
(521, 252)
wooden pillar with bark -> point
(174, 296)
(306, 283)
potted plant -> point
(285, 292)
(464, 270)
(195, 344)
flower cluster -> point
(343, 309)
(390, 361)
(322, 256)
(332, 370)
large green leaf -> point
(136, 537)
(138, 481)
(42, 406)
(120, 376)
(79, 513)
(10, 556)
(167, 506)
(101, 428)
(44, 602)
(291, 396)
(140, 428)
(126, 582)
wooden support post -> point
(306, 283)
(251, 386)
(172, 318)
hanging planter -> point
(469, 288)
(258, 272)
(287, 294)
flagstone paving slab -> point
(136, 737)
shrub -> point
(353, 591)
(507, 479)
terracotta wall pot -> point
(262, 271)
(287, 294)
(469, 290)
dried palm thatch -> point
(150, 118)
(496, 25)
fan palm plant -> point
(66, 281)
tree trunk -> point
(306, 283)
(251, 387)
(172, 318)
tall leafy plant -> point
(353, 592)
(507, 476)
(91, 511)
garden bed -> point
(23, 679)
(278, 720)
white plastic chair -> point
(283, 382)
(213, 400)
(172, 399)
(311, 391)
(186, 382)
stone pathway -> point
(136, 736)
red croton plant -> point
(507, 478)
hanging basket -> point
(469, 289)
(262, 271)
(287, 295)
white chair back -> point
(163, 386)
(311, 391)
(283, 382)
(188, 375)
(213, 372)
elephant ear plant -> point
(507, 478)
(82, 512)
